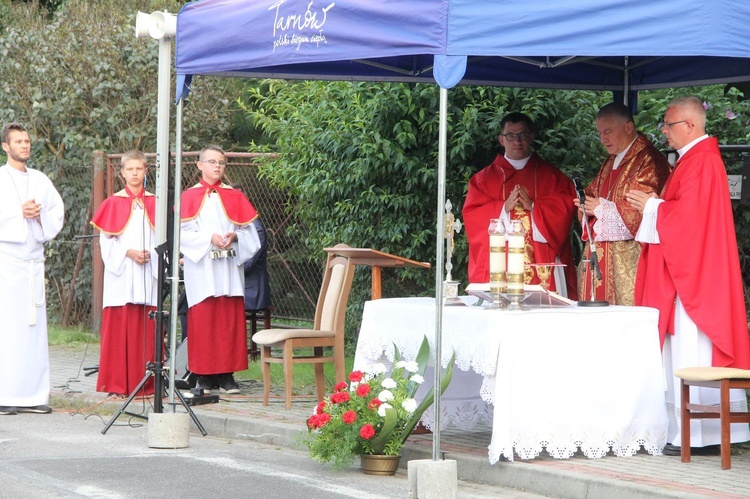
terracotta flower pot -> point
(375, 464)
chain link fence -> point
(74, 296)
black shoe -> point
(708, 450)
(228, 384)
(203, 383)
(8, 411)
(36, 409)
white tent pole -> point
(175, 276)
(442, 147)
(162, 138)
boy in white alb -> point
(126, 224)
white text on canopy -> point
(310, 20)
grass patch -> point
(303, 379)
(70, 335)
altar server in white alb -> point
(31, 213)
(125, 222)
(217, 236)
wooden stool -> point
(251, 317)
(725, 379)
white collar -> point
(518, 164)
(619, 156)
(681, 152)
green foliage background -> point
(361, 158)
(80, 81)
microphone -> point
(579, 189)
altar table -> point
(560, 379)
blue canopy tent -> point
(616, 45)
(595, 44)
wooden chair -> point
(725, 379)
(251, 319)
(327, 331)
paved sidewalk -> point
(244, 417)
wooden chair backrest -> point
(330, 313)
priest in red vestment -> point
(689, 269)
(521, 185)
(633, 163)
(126, 236)
(217, 237)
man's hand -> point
(637, 199)
(519, 195)
(223, 242)
(589, 205)
(31, 209)
(141, 257)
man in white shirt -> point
(31, 213)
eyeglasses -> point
(213, 162)
(667, 125)
(521, 137)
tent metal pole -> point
(162, 138)
(440, 257)
(175, 276)
(626, 84)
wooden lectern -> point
(375, 259)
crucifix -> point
(452, 226)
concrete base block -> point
(168, 430)
(430, 479)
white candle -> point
(515, 254)
(497, 254)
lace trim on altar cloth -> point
(593, 445)
(463, 416)
(609, 225)
(468, 357)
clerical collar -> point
(619, 156)
(518, 164)
(681, 152)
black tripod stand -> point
(156, 368)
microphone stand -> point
(594, 269)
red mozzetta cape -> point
(114, 213)
(697, 258)
(552, 193)
(238, 209)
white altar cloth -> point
(560, 379)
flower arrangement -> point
(374, 413)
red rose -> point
(355, 376)
(363, 390)
(318, 420)
(349, 417)
(320, 408)
(374, 404)
(341, 385)
(340, 397)
(312, 421)
(367, 431)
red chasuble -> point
(697, 258)
(552, 193)
(238, 209)
(645, 169)
(114, 213)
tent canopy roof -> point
(594, 44)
